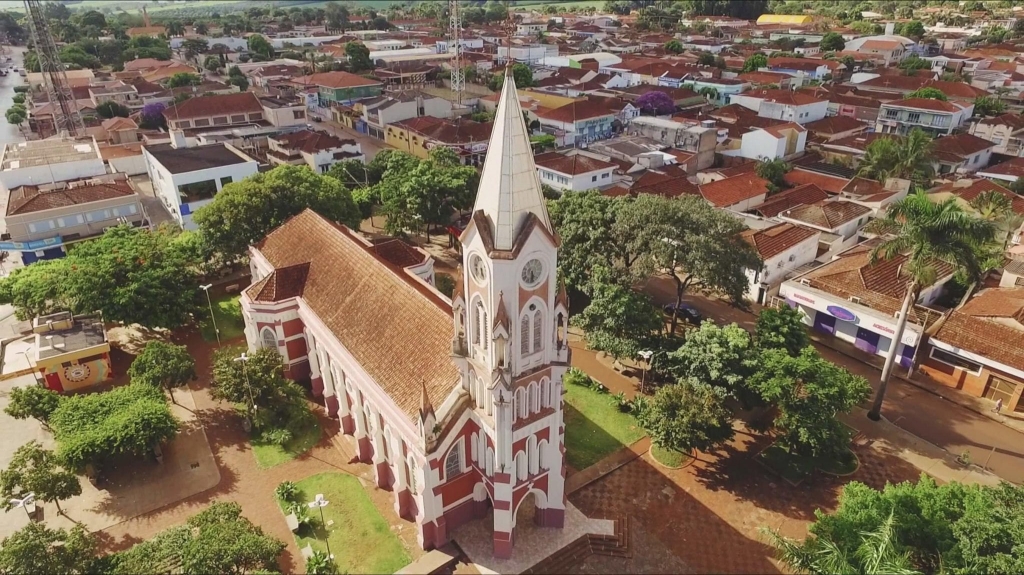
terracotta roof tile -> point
(978, 187)
(789, 97)
(864, 187)
(670, 188)
(28, 199)
(1012, 167)
(983, 337)
(399, 253)
(1014, 121)
(280, 284)
(831, 184)
(959, 146)
(398, 330)
(336, 80)
(772, 241)
(788, 199)
(827, 215)
(310, 141)
(575, 111)
(731, 191)
(218, 105)
(835, 125)
(573, 165)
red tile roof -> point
(28, 199)
(731, 191)
(336, 80)
(669, 187)
(398, 252)
(973, 327)
(924, 104)
(219, 105)
(835, 125)
(1013, 167)
(831, 184)
(775, 240)
(978, 187)
(957, 147)
(827, 214)
(573, 165)
(1013, 121)
(575, 112)
(310, 141)
(789, 97)
(788, 199)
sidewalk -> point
(978, 405)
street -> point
(934, 419)
(9, 135)
(368, 144)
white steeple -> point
(509, 185)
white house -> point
(839, 221)
(49, 161)
(799, 107)
(773, 142)
(318, 150)
(783, 248)
(574, 172)
(283, 113)
(185, 179)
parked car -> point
(686, 312)
(316, 118)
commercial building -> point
(318, 150)
(935, 117)
(185, 179)
(71, 352)
(49, 161)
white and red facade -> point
(495, 434)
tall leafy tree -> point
(909, 158)
(781, 328)
(721, 358)
(928, 93)
(244, 212)
(832, 42)
(774, 172)
(586, 223)
(809, 392)
(988, 106)
(687, 416)
(358, 57)
(131, 275)
(33, 401)
(258, 44)
(36, 470)
(36, 548)
(618, 319)
(755, 63)
(926, 233)
(163, 365)
(674, 46)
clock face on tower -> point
(478, 268)
(533, 272)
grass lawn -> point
(228, 312)
(594, 426)
(269, 455)
(360, 537)
(669, 457)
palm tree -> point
(909, 159)
(879, 159)
(877, 552)
(926, 233)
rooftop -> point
(731, 191)
(574, 165)
(956, 147)
(1013, 167)
(183, 160)
(775, 240)
(989, 325)
(311, 141)
(82, 333)
(29, 199)
(924, 104)
(791, 198)
(216, 105)
(826, 214)
(46, 152)
(835, 125)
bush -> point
(640, 407)
(276, 436)
(32, 401)
(621, 401)
(20, 89)
(287, 491)
(576, 377)
(445, 284)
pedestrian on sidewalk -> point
(999, 405)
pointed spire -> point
(501, 316)
(426, 408)
(562, 297)
(509, 185)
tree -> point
(259, 381)
(755, 63)
(521, 73)
(925, 234)
(832, 42)
(15, 117)
(721, 358)
(809, 392)
(358, 56)
(914, 29)
(706, 59)
(163, 365)
(695, 243)
(131, 275)
(175, 28)
(126, 420)
(953, 528)
(927, 93)
(674, 46)
(242, 213)
(111, 109)
(258, 44)
(915, 62)
(211, 63)
(876, 552)
(773, 171)
(201, 28)
(147, 47)
(193, 47)
(321, 564)
(33, 401)
(988, 106)
(781, 328)
(617, 320)
(240, 81)
(36, 548)
(687, 416)
(185, 79)
(585, 222)
(152, 116)
(35, 470)
(908, 158)
(656, 103)
(217, 540)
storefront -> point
(868, 330)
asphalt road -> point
(924, 414)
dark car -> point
(686, 312)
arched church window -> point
(269, 338)
(453, 462)
(524, 335)
(477, 310)
(410, 464)
(482, 328)
(538, 328)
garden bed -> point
(270, 455)
(361, 539)
(228, 312)
(595, 427)
(795, 468)
(670, 458)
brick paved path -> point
(708, 514)
(242, 481)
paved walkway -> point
(244, 482)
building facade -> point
(458, 406)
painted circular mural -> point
(76, 373)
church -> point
(456, 404)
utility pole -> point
(66, 118)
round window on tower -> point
(533, 273)
(478, 268)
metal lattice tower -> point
(66, 118)
(455, 49)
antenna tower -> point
(66, 118)
(455, 49)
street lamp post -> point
(252, 414)
(320, 502)
(646, 356)
(206, 288)
(25, 502)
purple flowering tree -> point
(152, 116)
(657, 103)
